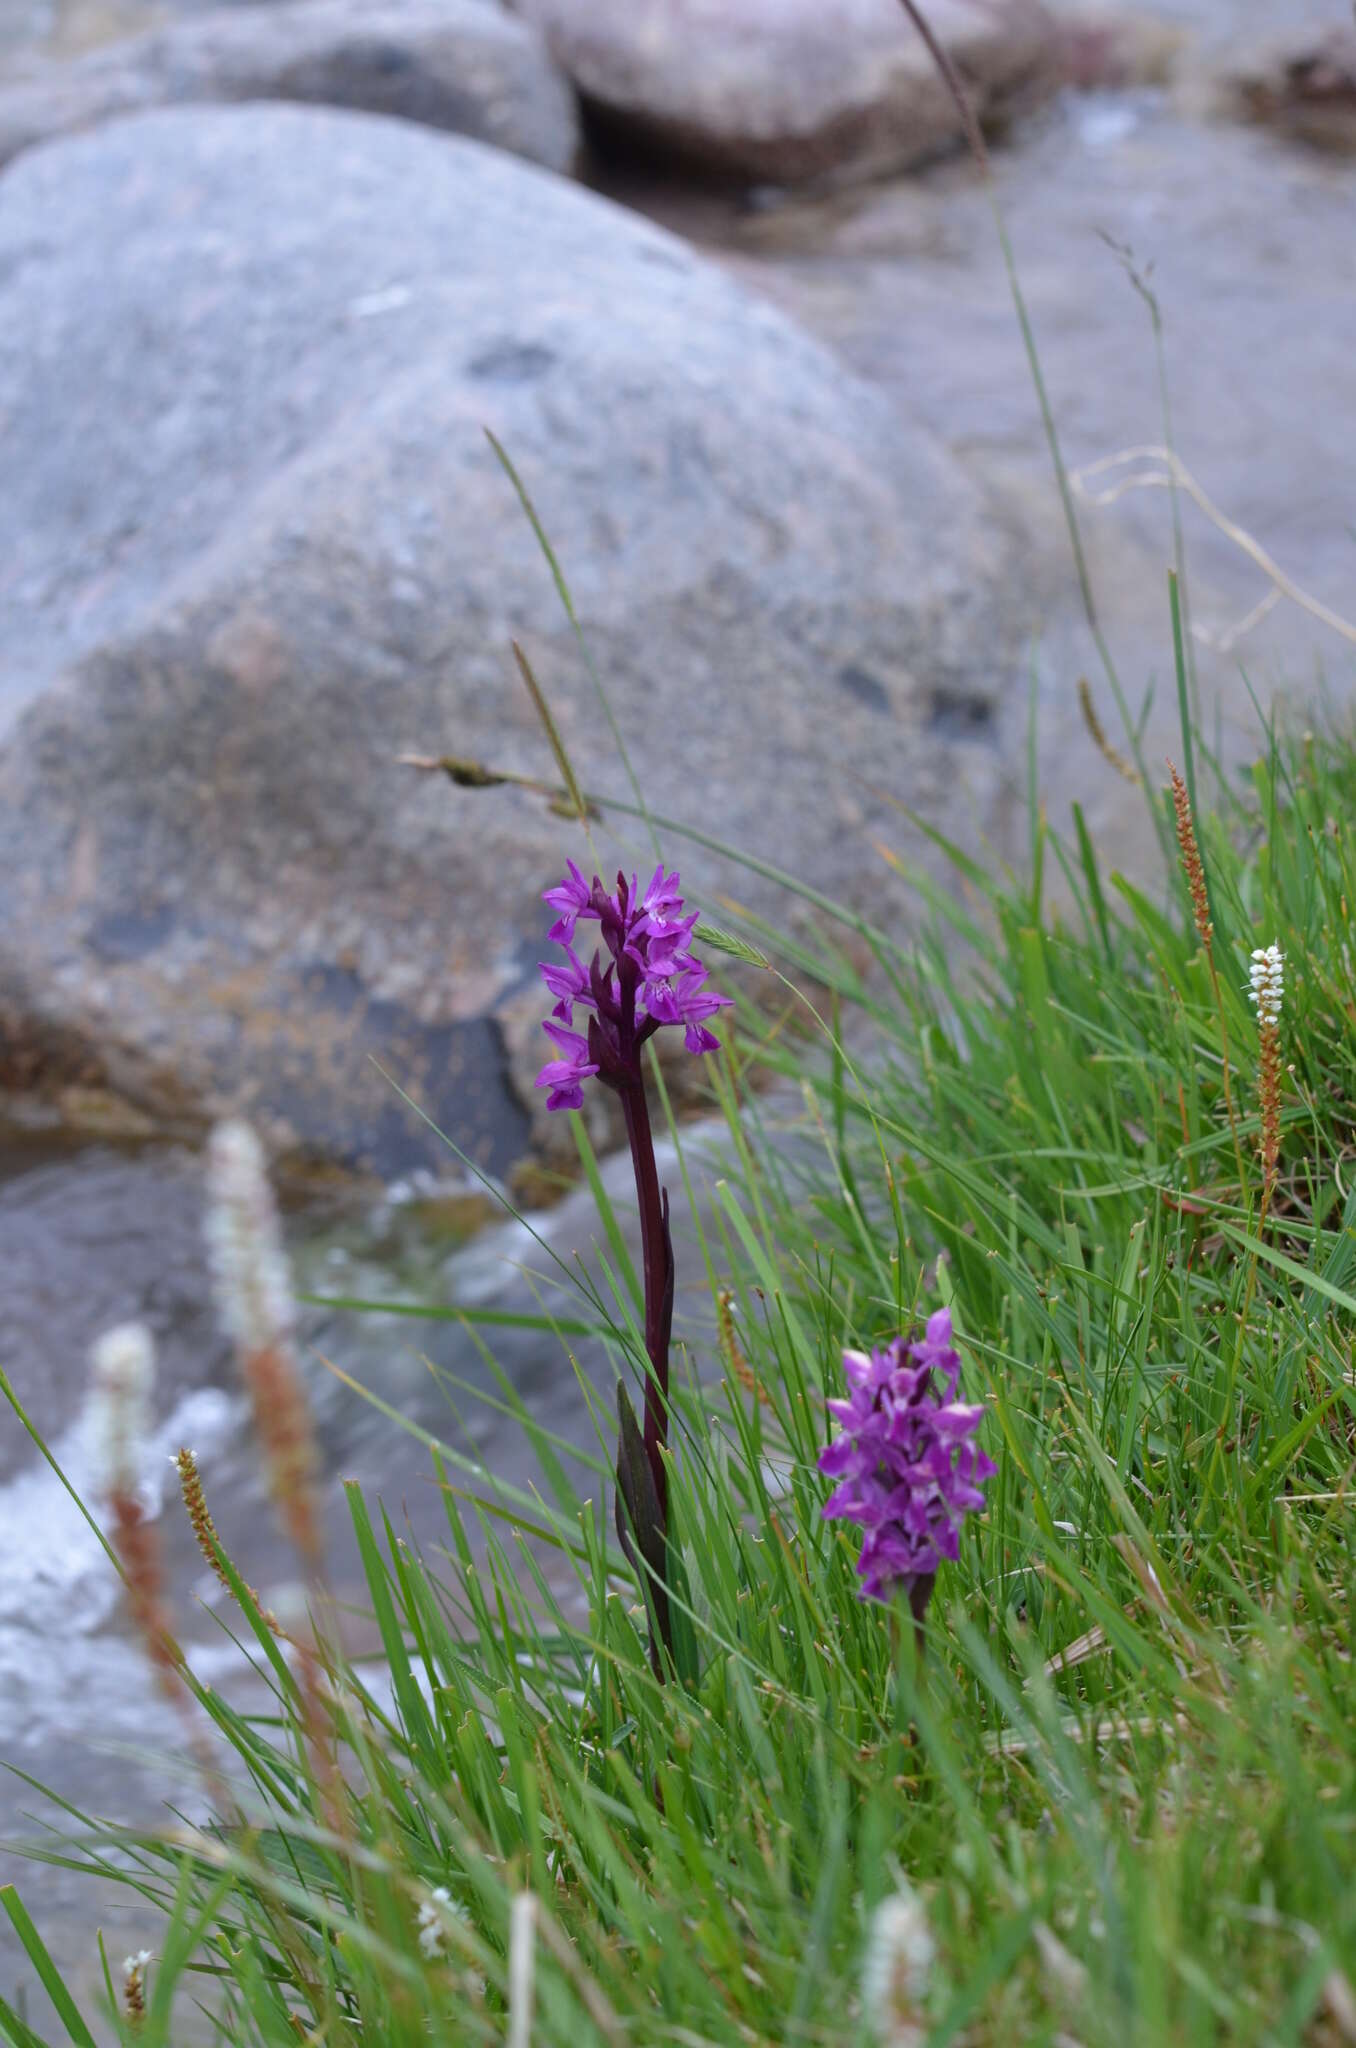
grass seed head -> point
(1192, 865)
(134, 1985)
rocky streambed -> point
(97, 1233)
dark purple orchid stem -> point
(656, 1252)
(642, 977)
(920, 1592)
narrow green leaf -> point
(48, 1973)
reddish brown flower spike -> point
(1192, 865)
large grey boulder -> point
(461, 65)
(782, 91)
(254, 547)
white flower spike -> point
(432, 1919)
(897, 1970)
(1266, 978)
(123, 1365)
(244, 1242)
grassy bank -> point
(1117, 1793)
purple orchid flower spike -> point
(908, 1468)
(643, 975)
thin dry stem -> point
(136, 1542)
(1194, 869)
(318, 1734)
(557, 744)
(282, 1417)
(1174, 474)
(1098, 734)
(951, 78)
(468, 774)
(134, 1538)
(729, 1344)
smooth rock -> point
(780, 92)
(460, 65)
(254, 547)
(1301, 83)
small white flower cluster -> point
(433, 1915)
(1266, 976)
(134, 1975)
(897, 1970)
(123, 1367)
(244, 1242)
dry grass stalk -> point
(138, 1547)
(729, 1344)
(1164, 470)
(1194, 869)
(1339, 2003)
(283, 1421)
(1098, 734)
(952, 80)
(317, 1727)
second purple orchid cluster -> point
(908, 1468)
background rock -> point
(461, 65)
(1238, 236)
(781, 91)
(1108, 48)
(1301, 83)
(255, 546)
